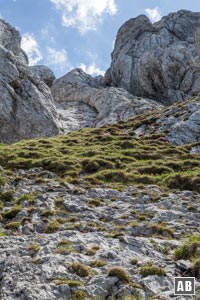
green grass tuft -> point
(150, 269)
(120, 273)
(189, 250)
(80, 269)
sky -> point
(66, 34)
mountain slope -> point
(110, 155)
(113, 233)
(106, 213)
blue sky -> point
(65, 34)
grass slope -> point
(108, 155)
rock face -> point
(10, 39)
(159, 61)
(83, 101)
(26, 104)
(44, 73)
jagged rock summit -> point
(26, 103)
(10, 39)
(159, 61)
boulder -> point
(160, 60)
(156, 285)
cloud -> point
(92, 69)
(45, 34)
(84, 14)
(153, 14)
(58, 59)
(31, 47)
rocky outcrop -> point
(86, 102)
(10, 39)
(179, 123)
(45, 74)
(158, 61)
(26, 104)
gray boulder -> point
(26, 104)
(44, 74)
(102, 105)
(160, 60)
(156, 285)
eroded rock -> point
(26, 105)
(44, 74)
(91, 104)
(160, 60)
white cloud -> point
(58, 59)
(84, 14)
(153, 14)
(92, 69)
(31, 47)
(45, 35)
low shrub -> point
(71, 283)
(80, 269)
(159, 229)
(190, 249)
(7, 196)
(120, 273)
(12, 226)
(64, 247)
(52, 226)
(98, 263)
(150, 269)
(11, 213)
